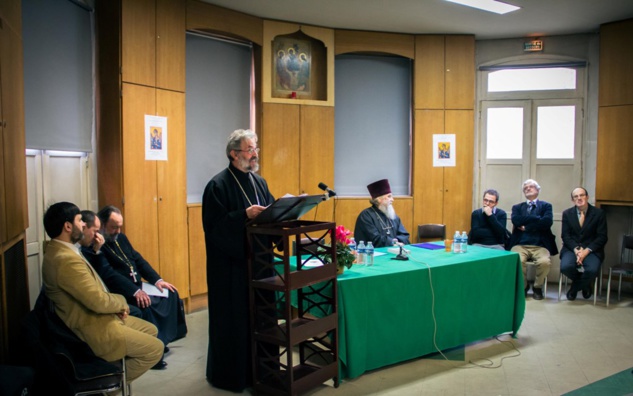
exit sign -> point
(534, 45)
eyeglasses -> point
(575, 197)
(487, 201)
(251, 151)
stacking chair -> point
(624, 268)
(431, 232)
(596, 287)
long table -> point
(386, 310)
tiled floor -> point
(561, 346)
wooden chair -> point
(431, 232)
(624, 268)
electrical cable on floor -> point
(475, 365)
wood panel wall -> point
(615, 114)
(297, 137)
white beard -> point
(389, 211)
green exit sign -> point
(534, 45)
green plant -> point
(344, 255)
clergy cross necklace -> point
(384, 226)
(242, 188)
(124, 259)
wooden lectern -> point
(292, 353)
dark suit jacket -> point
(537, 224)
(592, 235)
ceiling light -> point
(488, 5)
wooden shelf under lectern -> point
(277, 278)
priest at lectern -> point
(231, 199)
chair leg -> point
(124, 386)
(595, 290)
(600, 285)
(619, 286)
(609, 287)
(560, 284)
(545, 287)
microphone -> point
(324, 187)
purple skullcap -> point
(379, 188)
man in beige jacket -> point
(83, 302)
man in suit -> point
(488, 224)
(122, 268)
(532, 236)
(83, 303)
(584, 235)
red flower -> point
(341, 235)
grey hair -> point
(531, 181)
(235, 140)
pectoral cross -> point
(133, 274)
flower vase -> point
(340, 269)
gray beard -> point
(245, 164)
(389, 211)
(110, 237)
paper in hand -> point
(152, 290)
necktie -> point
(531, 207)
(581, 220)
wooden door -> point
(428, 181)
(138, 41)
(139, 175)
(15, 215)
(458, 180)
(170, 44)
(172, 195)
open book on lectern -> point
(288, 208)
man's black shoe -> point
(571, 294)
(586, 292)
(162, 365)
(166, 350)
(538, 293)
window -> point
(372, 123)
(219, 97)
(540, 79)
(58, 83)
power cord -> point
(489, 365)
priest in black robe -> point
(122, 269)
(379, 223)
(231, 198)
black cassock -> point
(113, 266)
(372, 225)
(224, 203)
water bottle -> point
(464, 242)
(352, 247)
(361, 253)
(457, 242)
(369, 254)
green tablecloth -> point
(385, 311)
